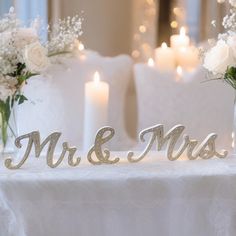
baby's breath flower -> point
(213, 23)
(229, 21)
(63, 34)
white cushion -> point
(57, 102)
(202, 107)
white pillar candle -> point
(165, 58)
(188, 58)
(179, 40)
(96, 108)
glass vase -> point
(8, 134)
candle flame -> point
(182, 31)
(150, 62)
(96, 77)
(164, 45)
(81, 47)
(142, 28)
(174, 24)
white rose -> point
(218, 58)
(20, 38)
(25, 36)
(35, 57)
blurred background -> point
(133, 27)
(138, 28)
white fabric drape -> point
(5, 6)
(29, 10)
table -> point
(150, 198)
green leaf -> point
(19, 69)
(22, 99)
(21, 79)
(230, 76)
(12, 102)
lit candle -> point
(96, 108)
(165, 58)
(179, 40)
(80, 47)
(150, 62)
(188, 58)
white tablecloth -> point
(150, 198)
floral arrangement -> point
(220, 59)
(23, 55)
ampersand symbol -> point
(102, 155)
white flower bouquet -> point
(23, 55)
(220, 59)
